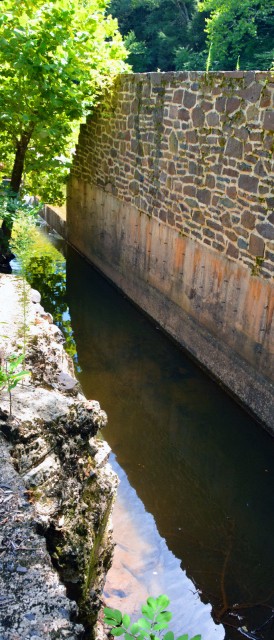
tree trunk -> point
(18, 165)
(16, 179)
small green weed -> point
(257, 266)
(156, 619)
(9, 377)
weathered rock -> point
(64, 470)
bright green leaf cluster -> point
(9, 377)
(156, 619)
(56, 58)
(239, 33)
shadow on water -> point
(197, 461)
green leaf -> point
(126, 620)
(199, 637)
(14, 362)
(143, 624)
(117, 631)
(148, 611)
(152, 602)
(184, 637)
(160, 625)
(163, 602)
(113, 614)
(145, 633)
(170, 636)
(134, 628)
(109, 621)
(164, 617)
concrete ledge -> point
(55, 218)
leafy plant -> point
(155, 619)
(22, 244)
(9, 377)
(55, 60)
(257, 266)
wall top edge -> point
(157, 75)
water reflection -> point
(199, 464)
(46, 272)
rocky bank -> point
(56, 487)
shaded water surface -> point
(199, 464)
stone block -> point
(231, 192)
(252, 113)
(208, 233)
(213, 119)
(220, 104)
(248, 220)
(191, 137)
(134, 187)
(210, 182)
(173, 111)
(192, 204)
(198, 217)
(226, 220)
(268, 122)
(266, 230)
(189, 190)
(256, 245)
(234, 148)
(183, 114)
(226, 202)
(242, 244)
(232, 104)
(171, 169)
(248, 183)
(259, 169)
(204, 196)
(206, 105)
(173, 142)
(232, 251)
(198, 117)
(231, 235)
(252, 93)
(189, 99)
(178, 96)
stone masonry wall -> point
(195, 151)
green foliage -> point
(257, 266)
(240, 33)
(171, 34)
(155, 620)
(23, 231)
(46, 272)
(56, 58)
(188, 60)
(154, 30)
(9, 377)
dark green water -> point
(200, 465)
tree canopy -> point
(56, 57)
(240, 33)
(188, 34)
